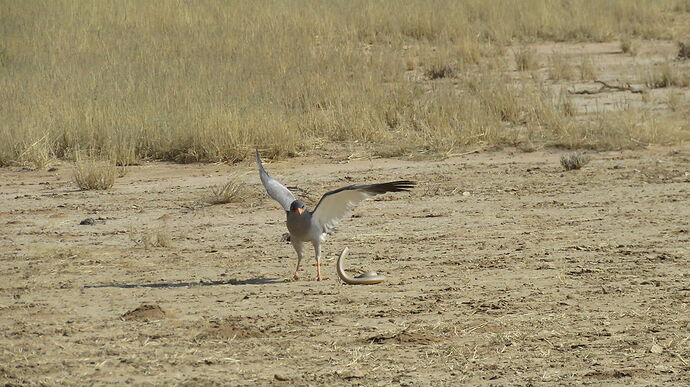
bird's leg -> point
(299, 248)
(317, 249)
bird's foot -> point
(321, 278)
(296, 276)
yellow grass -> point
(587, 70)
(212, 80)
(560, 68)
(628, 46)
(575, 160)
(94, 174)
(526, 59)
(233, 191)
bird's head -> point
(298, 207)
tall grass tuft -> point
(526, 59)
(664, 75)
(94, 174)
(233, 191)
(560, 68)
(575, 160)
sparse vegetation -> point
(628, 46)
(665, 75)
(526, 59)
(575, 160)
(587, 69)
(440, 71)
(560, 68)
(674, 101)
(684, 50)
(233, 191)
(94, 174)
(154, 237)
(213, 81)
(157, 238)
(37, 154)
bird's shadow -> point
(250, 281)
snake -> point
(368, 278)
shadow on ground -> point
(251, 281)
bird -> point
(313, 226)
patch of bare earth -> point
(503, 268)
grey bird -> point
(313, 226)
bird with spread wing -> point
(313, 226)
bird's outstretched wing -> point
(274, 189)
(334, 205)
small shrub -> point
(560, 68)
(526, 59)
(666, 76)
(411, 63)
(628, 47)
(587, 70)
(646, 96)
(37, 154)
(684, 50)
(94, 174)
(158, 237)
(566, 105)
(440, 71)
(674, 102)
(4, 57)
(231, 192)
(574, 160)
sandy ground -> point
(503, 269)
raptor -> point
(313, 226)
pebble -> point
(88, 222)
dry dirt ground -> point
(503, 269)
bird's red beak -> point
(299, 211)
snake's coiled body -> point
(368, 278)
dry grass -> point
(94, 174)
(526, 59)
(38, 154)
(440, 71)
(234, 191)
(574, 160)
(158, 236)
(214, 80)
(628, 46)
(587, 70)
(684, 50)
(674, 102)
(560, 68)
(666, 75)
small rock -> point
(466, 193)
(88, 222)
(52, 169)
(656, 348)
(281, 377)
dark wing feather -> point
(334, 205)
